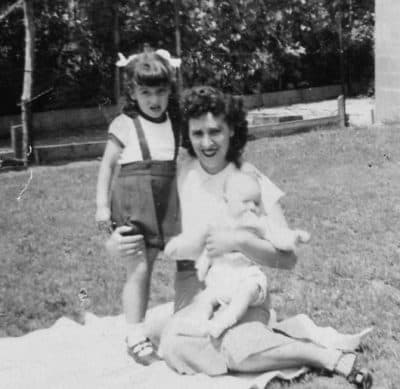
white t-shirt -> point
(201, 194)
(159, 137)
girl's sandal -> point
(143, 352)
(362, 378)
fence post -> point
(16, 142)
(341, 111)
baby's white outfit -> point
(229, 271)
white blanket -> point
(69, 355)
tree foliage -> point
(242, 46)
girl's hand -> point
(125, 246)
(219, 242)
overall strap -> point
(177, 136)
(144, 147)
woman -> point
(215, 135)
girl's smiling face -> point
(210, 137)
(152, 100)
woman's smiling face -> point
(210, 137)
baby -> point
(233, 280)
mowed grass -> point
(342, 185)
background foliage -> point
(242, 46)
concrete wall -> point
(387, 61)
(91, 117)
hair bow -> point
(174, 62)
(123, 61)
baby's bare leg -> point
(243, 297)
(193, 319)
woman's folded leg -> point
(292, 355)
(248, 347)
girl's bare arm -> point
(106, 171)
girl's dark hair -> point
(200, 100)
(149, 69)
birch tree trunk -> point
(177, 7)
(116, 41)
(26, 112)
(4, 12)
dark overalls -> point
(145, 195)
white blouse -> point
(159, 137)
(201, 194)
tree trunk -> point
(177, 7)
(8, 9)
(116, 40)
(26, 112)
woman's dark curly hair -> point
(200, 100)
(149, 69)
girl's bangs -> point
(152, 74)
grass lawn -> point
(342, 185)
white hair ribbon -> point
(174, 62)
(123, 61)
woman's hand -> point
(220, 241)
(125, 246)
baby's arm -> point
(107, 168)
(186, 245)
(282, 237)
(259, 250)
(203, 263)
(241, 300)
(252, 223)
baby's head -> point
(242, 194)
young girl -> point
(143, 142)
